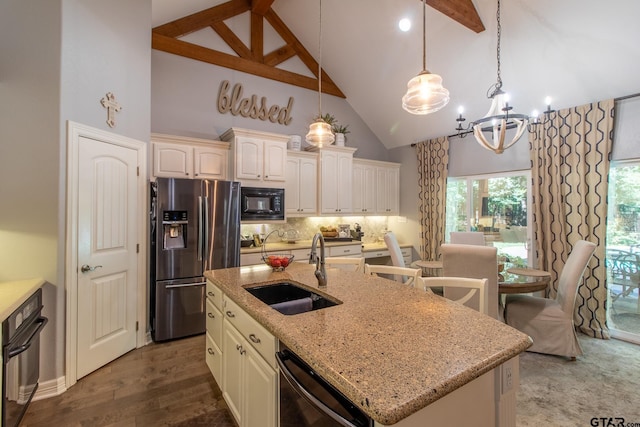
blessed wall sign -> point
(233, 102)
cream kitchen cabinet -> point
(388, 190)
(259, 158)
(364, 187)
(336, 168)
(301, 186)
(183, 157)
(250, 377)
(214, 320)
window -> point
(623, 251)
(495, 205)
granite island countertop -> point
(390, 349)
(306, 244)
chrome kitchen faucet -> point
(320, 273)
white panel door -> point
(107, 238)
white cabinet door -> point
(301, 184)
(336, 179)
(210, 163)
(308, 186)
(172, 160)
(261, 391)
(344, 188)
(248, 158)
(292, 186)
(364, 188)
(232, 370)
(388, 189)
(275, 158)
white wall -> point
(50, 74)
(184, 102)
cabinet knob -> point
(187, 174)
(255, 339)
(211, 294)
(258, 176)
(210, 351)
(211, 315)
(230, 314)
(266, 176)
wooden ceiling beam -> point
(261, 6)
(461, 11)
(200, 53)
(203, 19)
(232, 40)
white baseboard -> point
(50, 388)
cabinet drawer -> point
(346, 250)
(214, 294)
(213, 357)
(214, 322)
(301, 255)
(251, 259)
(376, 254)
(256, 334)
(407, 255)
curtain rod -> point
(465, 133)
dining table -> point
(522, 280)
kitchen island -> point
(394, 351)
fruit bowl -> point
(277, 262)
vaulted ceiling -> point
(574, 51)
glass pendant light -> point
(320, 133)
(425, 93)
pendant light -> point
(491, 130)
(425, 93)
(320, 133)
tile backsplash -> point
(373, 227)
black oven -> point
(21, 358)
(261, 204)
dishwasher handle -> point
(299, 388)
(37, 326)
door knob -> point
(85, 268)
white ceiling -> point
(575, 51)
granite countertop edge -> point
(304, 337)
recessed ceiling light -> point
(404, 24)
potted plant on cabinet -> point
(341, 131)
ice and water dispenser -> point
(174, 229)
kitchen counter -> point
(13, 293)
(390, 349)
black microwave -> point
(261, 204)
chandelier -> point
(425, 93)
(491, 130)
(320, 133)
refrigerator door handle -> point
(205, 240)
(186, 285)
(200, 228)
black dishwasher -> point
(306, 399)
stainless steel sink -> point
(289, 298)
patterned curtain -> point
(433, 164)
(569, 166)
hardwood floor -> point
(165, 384)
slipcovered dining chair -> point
(549, 322)
(394, 249)
(472, 287)
(347, 263)
(475, 262)
(411, 274)
(467, 238)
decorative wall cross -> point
(109, 102)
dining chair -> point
(472, 287)
(394, 249)
(475, 262)
(346, 263)
(467, 238)
(411, 274)
(549, 322)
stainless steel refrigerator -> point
(195, 226)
